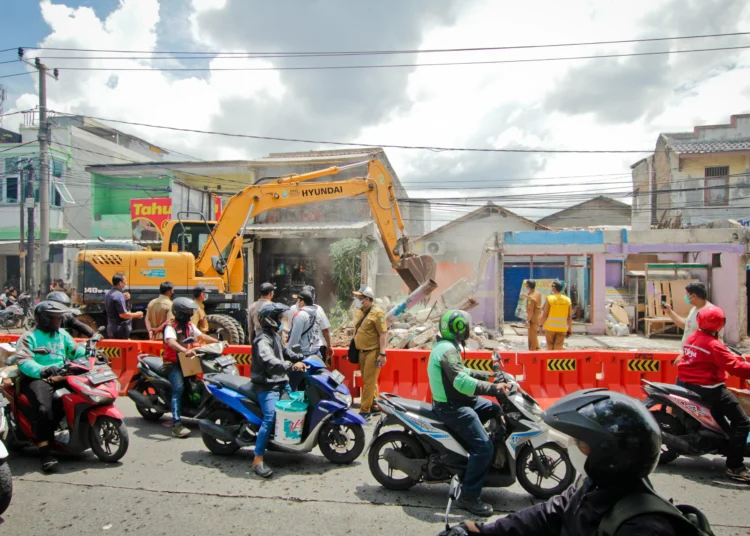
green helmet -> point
(455, 325)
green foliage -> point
(338, 316)
(346, 264)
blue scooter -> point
(235, 417)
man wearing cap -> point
(305, 330)
(370, 340)
(323, 328)
(199, 318)
(557, 317)
(266, 297)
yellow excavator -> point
(197, 252)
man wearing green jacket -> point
(41, 373)
(455, 399)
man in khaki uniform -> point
(159, 311)
(370, 340)
(533, 313)
(199, 318)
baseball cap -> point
(266, 288)
(197, 291)
(365, 291)
(304, 294)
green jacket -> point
(451, 381)
(62, 349)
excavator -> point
(199, 252)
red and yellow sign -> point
(149, 217)
(217, 207)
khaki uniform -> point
(367, 341)
(159, 310)
(533, 315)
(199, 318)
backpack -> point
(687, 520)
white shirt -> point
(691, 323)
(170, 333)
(323, 322)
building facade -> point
(595, 212)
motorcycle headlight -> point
(231, 369)
(344, 399)
(98, 399)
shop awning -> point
(311, 230)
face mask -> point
(358, 304)
(687, 300)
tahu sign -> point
(149, 217)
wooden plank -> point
(620, 315)
(678, 296)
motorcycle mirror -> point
(102, 329)
(41, 350)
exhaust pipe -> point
(675, 442)
(219, 432)
(410, 466)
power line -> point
(370, 145)
(391, 52)
(17, 146)
(17, 74)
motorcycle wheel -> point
(401, 442)
(29, 323)
(109, 439)
(671, 425)
(6, 486)
(553, 454)
(341, 443)
(146, 390)
(222, 417)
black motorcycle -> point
(18, 314)
(152, 393)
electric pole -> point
(22, 283)
(30, 272)
(44, 185)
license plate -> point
(100, 377)
(225, 361)
(337, 376)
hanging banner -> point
(217, 207)
(149, 217)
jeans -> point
(267, 400)
(466, 423)
(177, 381)
(725, 407)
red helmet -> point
(711, 318)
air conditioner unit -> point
(435, 248)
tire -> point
(89, 321)
(332, 436)
(550, 452)
(243, 319)
(216, 446)
(670, 424)
(6, 486)
(106, 433)
(402, 442)
(29, 323)
(145, 389)
(231, 331)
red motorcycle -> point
(90, 421)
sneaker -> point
(475, 505)
(48, 463)
(262, 470)
(366, 416)
(740, 474)
(375, 410)
(178, 430)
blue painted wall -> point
(532, 238)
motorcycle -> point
(152, 393)
(687, 426)
(18, 314)
(90, 421)
(426, 450)
(6, 479)
(236, 416)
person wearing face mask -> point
(534, 300)
(370, 340)
(696, 296)
(614, 444)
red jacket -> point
(706, 361)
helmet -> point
(45, 311)
(60, 297)
(455, 325)
(711, 318)
(269, 316)
(614, 437)
(183, 309)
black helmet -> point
(183, 310)
(269, 316)
(60, 297)
(455, 325)
(622, 438)
(45, 311)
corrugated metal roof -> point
(708, 146)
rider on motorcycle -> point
(455, 399)
(704, 366)
(615, 445)
(270, 365)
(179, 329)
(70, 320)
(40, 373)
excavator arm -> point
(227, 237)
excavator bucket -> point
(416, 270)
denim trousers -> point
(466, 422)
(267, 400)
(177, 381)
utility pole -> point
(44, 186)
(22, 243)
(29, 201)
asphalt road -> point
(171, 486)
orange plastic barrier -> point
(9, 337)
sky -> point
(611, 104)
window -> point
(716, 183)
(11, 165)
(57, 168)
(60, 194)
(10, 190)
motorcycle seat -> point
(679, 391)
(154, 363)
(236, 383)
(416, 406)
